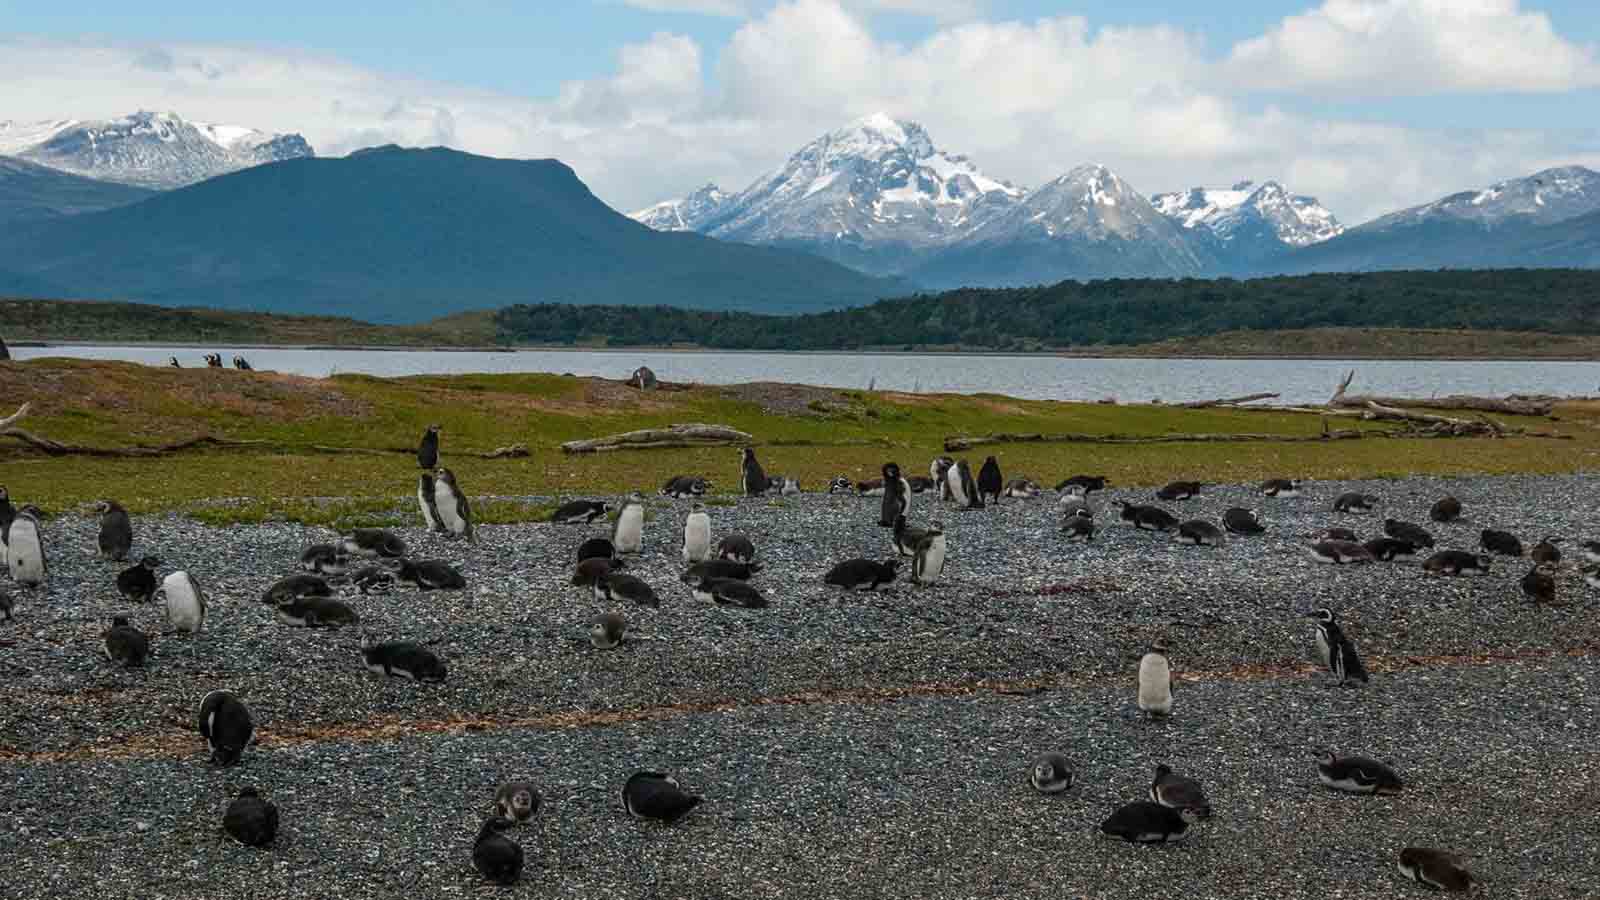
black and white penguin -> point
(968, 497)
(1200, 533)
(656, 795)
(1388, 549)
(597, 548)
(1411, 533)
(405, 659)
(1281, 488)
(619, 586)
(1336, 650)
(325, 559)
(1178, 792)
(1502, 542)
(431, 575)
(116, 530)
(680, 487)
(1540, 584)
(1446, 509)
(841, 485)
(517, 801)
(731, 592)
(643, 378)
(1022, 489)
(580, 512)
(373, 543)
(938, 472)
(592, 571)
(214, 360)
(1078, 527)
(315, 612)
(372, 580)
(753, 479)
(1354, 502)
(990, 482)
(185, 602)
(927, 563)
(137, 584)
(1179, 490)
(173, 362)
(1147, 518)
(905, 537)
(861, 574)
(227, 726)
(1089, 483)
(1339, 553)
(719, 568)
(1155, 682)
(496, 857)
(1546, 553)
(427, 502)
(293, 587)
(1051, 774)
(1239, 520)
(8, 514)
(251, 820)
(1357, 775)
(627, 533)
(896, 496)
(953, 488)
(606, 632)
(454, 510)
(1337, 534)
(1456, 562)
(697, 534)
(242, 364)
(736, 548)
(125, 644)
(1437, 869)
(1074, 502)
(428, 449)
(25, 556)
(1145, 822)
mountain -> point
(32, 193)
(1246, 225)
(393, 235)
(147, 149)
(687, 214)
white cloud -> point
(938, 10)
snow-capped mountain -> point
(687, 214)
(1543, 198)
(1294, 219)
(147, 149)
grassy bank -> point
(810, 433)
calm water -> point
(1038, 377)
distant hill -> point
(31, 193)
(396, 235)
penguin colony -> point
(720, 572)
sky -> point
(1369, 105)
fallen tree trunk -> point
(1514, 405)
(958, 444)
(688, 435)
(1456, 427)
(56, 448)
(1227, 401)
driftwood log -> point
(687, 435)
(1515, 405)
(958, 444)
(1227, 401)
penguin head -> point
(635, 497)
(433, 429)
(150, 562)
(519, 804)
(1162, 771)
(697, 507)
(1328, 758)
(747, 454)
(119, 621)
(4, 497)
(102, 506)
(248, 791)
(1160, 645)
(1323, 614)
(936, 527)
(1190, 815)
(444, 475)
(891, 472)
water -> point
(1034, 377)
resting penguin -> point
(928, 562)
(752, 478)
(251, 820)
(1148, 518)
(621, 586)
(627, 534)
(454, 511)
(428, 449)
(1199, 532)
(1437, 869)
(1354, 501)
(496, 857)
(1540, 584)
(1051, 774)
(427, 501)
(517, 801)
(680, 486)
(789, 487)
(655, 795)
(697, 534)
(1447, 509)
(596, 548)
(719, 568)
(138, 583)
(242, 364)
(227, 726)
(607, 631)
(1179, 490)
(1021, 489)
(1546, 552)
(1155, 682)
(1357, 775)
(373, 542)
(296, 586)
(1390, 549)
(25, 555)
(1178, 792)
(731, 592)
(1415, 535)
(125, 644)
(580, 512)
(1336, 650)
(1502, 542)
(1089, 483)
(404, 659)
(1337, 534)
(1456, 562)
(1074, 502)
(1281, 488)
(1339, 552)
(896, 496)
(1079, 526)
(372, 580)
(1144, 822)
(1239, 520)
(185, 602)
(116, 530)
(861, 574)
(736, 548)
(315, 612)
(990, 482)
(431, 575)
(970, 498)
(841, 485)
(325, 559)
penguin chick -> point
(1456, 562)
(1339, 552)
(591, 572)
(295, 587)
(116, 530)
(1437, 869)
(1546, 552)
(1155, 682)
(373, 542)
(1051, 774)
(580, 512)
(517, 801)
(250, 819)
(1411, 533)
(732, 592)
(6, 605)
(125, 644)
(655, 795)
(496, 857)
(315, 612)
(372, 580)
(1502, 542)
(596, 548)
(608, 631)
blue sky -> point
(647, 98)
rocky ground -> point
(860, 745)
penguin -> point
(896, 496)
(841, 485)
(8, 514)
(227, 726)
(736, 548)
(1591, 551)
(719, 568)
(938, 473)
(1178, 792)
(251, 820)
(137, 584)
(1155, 682)
(325, 559)
(1415, 535)
(185, 602)
(1089, 483)
(872, 487)
(1437, 869)
(1148, 518)
(752, 478)
(125, 644)
(1179, 490)
(643, 378)
(596, 548)
(517, 801)
(968, 498)
(25, 557)
(1021, 489)
(1051, 774)
(1389, 549)
(296, 586)
(431, 575)
(428, 449)
(214, 360)
(1539, 584)
(1336, 650)
(1337, 534)
(1074, 502)
(1546, 552)
(372, 580)
(608, 631)
(732, 592)
(1200, 533)
(905, 537)
(1446, 509)
(1280, 488)
(580, 512)
(496, 857)
(427, 501)
(681, 486)
(372, 543)
(242, 364)
(1502, 542)
(620, 586)
(697, 534)
(1339, 553)
(315, 612)
(454, 511)
(1354, 502)
(405, 659)
(1357, 775)
(1145, 822)
(173, 362)
(1078, 527)
(116, 530)
(861, 574)
(655, 795)
(7, 604)
(594, 570)
(1456, 562)
(931, 550)
(990, 482)
(627, 533)
(1239, 520)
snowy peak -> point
(1090, 202)
(686, 214)
(1543, 198)
(1228, 214)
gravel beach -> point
(848, 745)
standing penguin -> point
(426, 494)
(1336, 650)
(496, 857)
(1155, 682)
(138, 583)
(938, 471)
(990, 483)
(454, 511)
(627, 534)
(173, 362)
(227, 726)
(697, 534)
(896, 496)
(8, 514)
(25, 551)
(655, 795)
(116, 530)
(752, 478)
(961, 476)
(250, 820)
(428, 449)
(928, 562)
(125, 644)
(185, 602)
